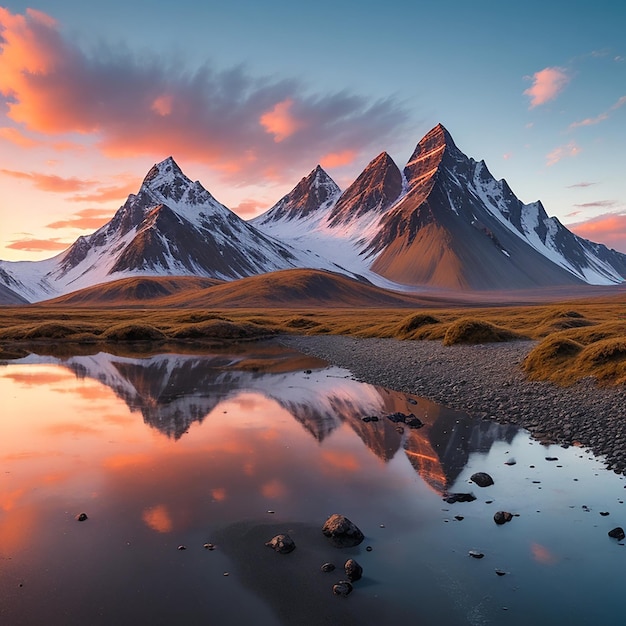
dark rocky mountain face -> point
(374, 191)
(313, 193)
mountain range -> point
(442, 222)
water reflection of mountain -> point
(174, 390)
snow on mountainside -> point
(173, 226)
(443, 222)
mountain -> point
(446, 222)
(171, 227)
(443, 222)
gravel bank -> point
(487, 382)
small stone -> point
(308, 372)
(459, 518)
(552, 458)
(482, 479)
(604, 513)
(502, 517)
(181, 547)
(226, 574)
(81, 517)
(617, 533)
(451, 498)
(510, 462)
(368, 549)
(343, 588)
(342, 532)
(353, 570)
(271, 512)
(283, 544)
(328, 567)
(208, 546)
(475, 554)
(500, 572)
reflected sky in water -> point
(179, 450)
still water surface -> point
(231, 448)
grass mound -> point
(301, 323)
(414, 322)
(550, 358)
(221, 329)
(473, 331)
(562, 320)
(133, 332)
(606, 360)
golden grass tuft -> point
(221, 329)
(473, 331)
(133, 332)
(550, 358)
(414, 322)
(301, 323)
(606, 360)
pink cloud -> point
(280, 121)
(14, 136)
(337, 159)
(38, 245)
(87, 219)
(547, 85)
(49, 182)
(605, 204)
(108, 193)
(609, 229)
(562, 152)
(249, 206)
(591, 121)
(149, 106)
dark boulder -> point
(81, 517)
(283, 544)
(617, 533)
(328, 567)
(475, 554)
(502, 517)
(342, 532)
(482, 479)
(413, 422)
(353, 570)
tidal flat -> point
(169, 453)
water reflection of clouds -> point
(36, 379)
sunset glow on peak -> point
(89, 100)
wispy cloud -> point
(562, 152)
(592, 121)
(605, 204)
(50, 182)
(38, 245)
(14, 136)
(609, 228)
(581, 184)
(250, 206)
(87, 219)
(547, 85)
(107, 193)
(244, 127)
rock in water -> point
(482, 479)
(502, 517)
(342, 588)
(476, 554)
(617, 533)
(353, 570)
(451, 498)
(81, 517)
(342, 532)
(283, 544)
(328, 567)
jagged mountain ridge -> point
(444, 221)
(171, 227)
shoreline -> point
(486, 382)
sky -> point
(248, 97)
